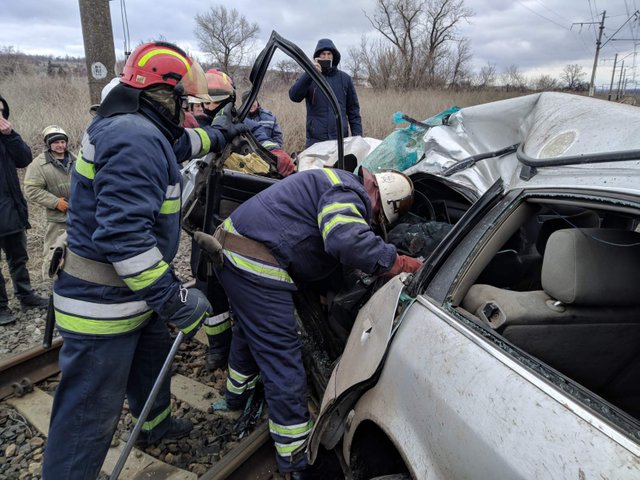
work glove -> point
(227, 128)
(403, 263)
(285, 165)
(62, 204)
(187, 310)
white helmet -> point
(396, 194)
(53, 133)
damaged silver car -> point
(515, 351)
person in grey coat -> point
(14, 154)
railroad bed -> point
(220, 446)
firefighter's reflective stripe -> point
(172, 203)
(154, 422)
(257, 268)
(84, 160)
(99, 318)
(333, 176)
(340, 220)
(268, 144)
(286, 449)
(253, 266)
(139, 263)
(146, 278)
(164, 51)
(300, 430)
(200, 142)
(217, 324)
(238, 383)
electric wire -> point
(542, 16)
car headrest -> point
(593, 266)
(582, 219)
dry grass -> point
(38, 101)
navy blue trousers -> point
(96, 375)
(265, 341)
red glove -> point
(285, 165)
(403, 263)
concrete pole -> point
(595, 60)
(620, 81)
(613, 74)
(99, 52)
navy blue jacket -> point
(321, 123)
(14, 153)
(312, 222)
(269, 122)
(125, 211)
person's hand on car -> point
(403, 263)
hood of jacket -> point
(327, 44)
(5, 106)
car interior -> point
(560, 281)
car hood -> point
(478, 145)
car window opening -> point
(559, 282)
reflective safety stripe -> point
(217, 324)
(200, 142)
(170, 206)
(84, 309)
(269, 144)
(138, 263)
(91, 326)
(340, 220)
(164, 51)
(193, 325)
(85, 168)
(257, 268)
(333, 207)
(153, 423)
(300, 430)
(173, 191)
(146, 278)
(238, 383)
(286, 449)
(333, 176)
(227, 224)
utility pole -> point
(595, 60)
(97, 34)
(613, 74)
(620, 81)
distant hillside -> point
(13, 62)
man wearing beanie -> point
(48, 183)
(14, 154)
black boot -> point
(178, 428)
(32, 300)
(216, 360)
(6, 316)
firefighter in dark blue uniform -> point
(299, 229)
(117, 289)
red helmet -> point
(220, 85)
(156, 63)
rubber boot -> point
(219, 346)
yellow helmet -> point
(53, 133)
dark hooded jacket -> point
(14, 153)
(321, 124)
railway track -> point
(23, 387)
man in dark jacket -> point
(14, 153)
(321, 124)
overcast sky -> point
(539, 36)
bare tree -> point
(354, 65)
(545, 83)
(571, 76)
(486, 77)
(287, 70)
(513, 79)
(226, 35)
(459, 63)
(419, 32)
(380, 63)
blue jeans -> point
(96, 374)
